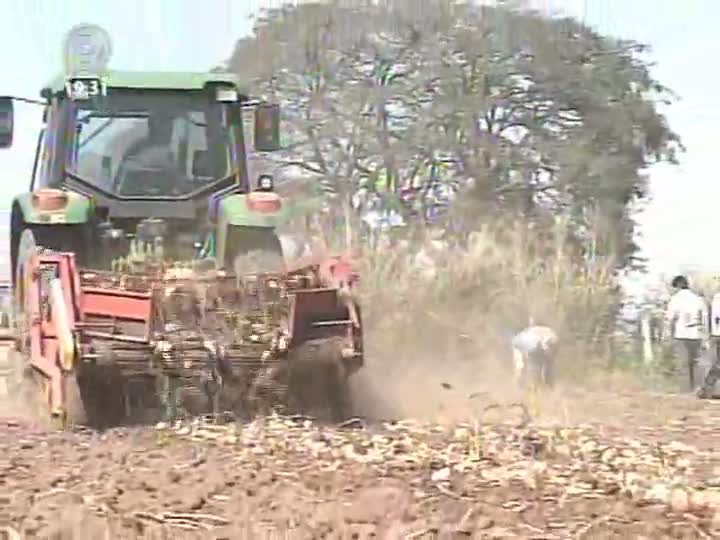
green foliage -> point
(541, 117)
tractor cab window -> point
(150, 144)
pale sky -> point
(197, 35)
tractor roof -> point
(158, 80)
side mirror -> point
(267, 127)
(6, 122)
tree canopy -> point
(539, 117)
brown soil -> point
(650, 472)
(605, 460)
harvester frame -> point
(65, 314)
(97, 333)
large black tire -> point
(27, 246)
(74, 238)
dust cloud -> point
(420, 371)
(426, 373)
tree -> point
(540, 117)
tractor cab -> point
(163, 136)
(149, 136)
(119, 148)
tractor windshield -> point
(159, 143)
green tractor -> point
(135, 175)
(147, 153)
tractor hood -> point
(256, 209)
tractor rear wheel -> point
(27, 247)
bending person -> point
(534, 350)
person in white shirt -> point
(687, 316)
(534, 351)
(707, 388)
